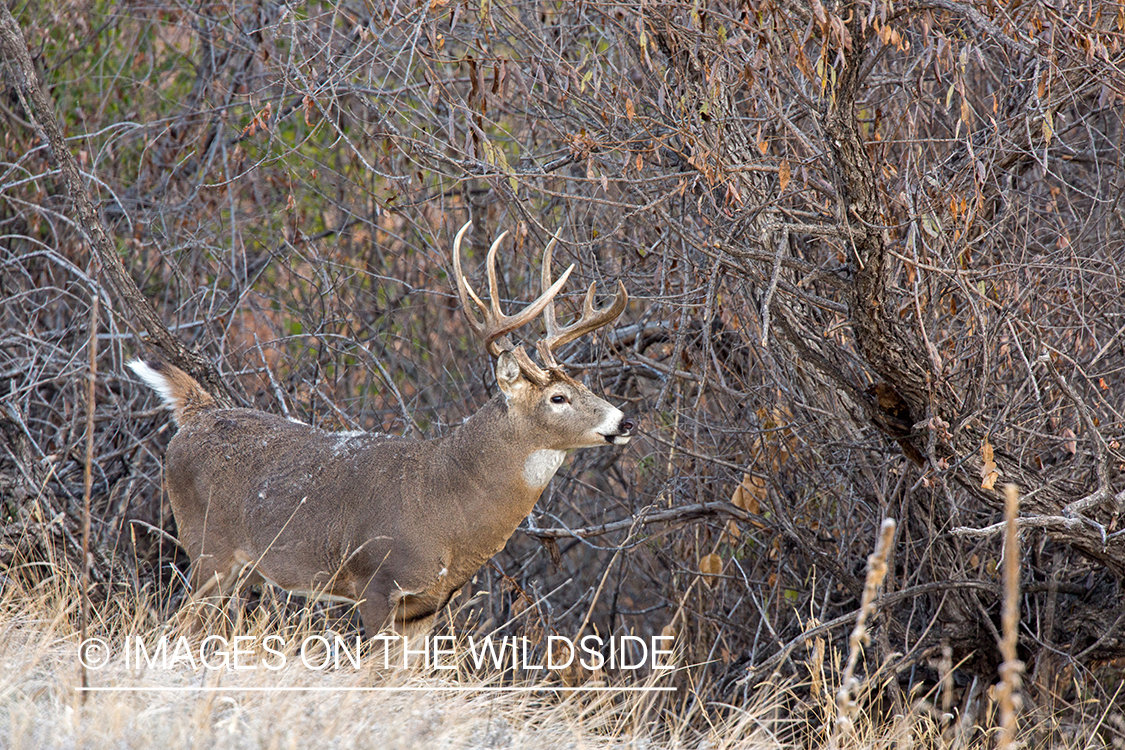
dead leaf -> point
(819, 12)
(750, 493)
(711, 565)
(783, 175)
(988, 472)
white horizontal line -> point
(439, 689)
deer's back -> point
(264, 482)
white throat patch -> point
(541, 466)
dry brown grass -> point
(41, 704)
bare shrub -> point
(875, 253)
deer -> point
(393, 525)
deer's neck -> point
(499, 473)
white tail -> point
(396, 525)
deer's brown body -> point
(397, 525)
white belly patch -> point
(541, 466)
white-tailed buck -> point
(394, 524)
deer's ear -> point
(508, 375)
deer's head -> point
(552, 409)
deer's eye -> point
(558, 398)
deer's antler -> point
(591, 319)
(496, 324)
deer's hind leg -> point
(214, 585)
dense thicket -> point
(875, 252)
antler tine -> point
(549, 310)
(591, 319)
(493, 282)
(464, 291)
(496, 323)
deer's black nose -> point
(627, 425)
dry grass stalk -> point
(946, 671)
(88, 475)
(876, 572)
(816, 666)
(1008, 689)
